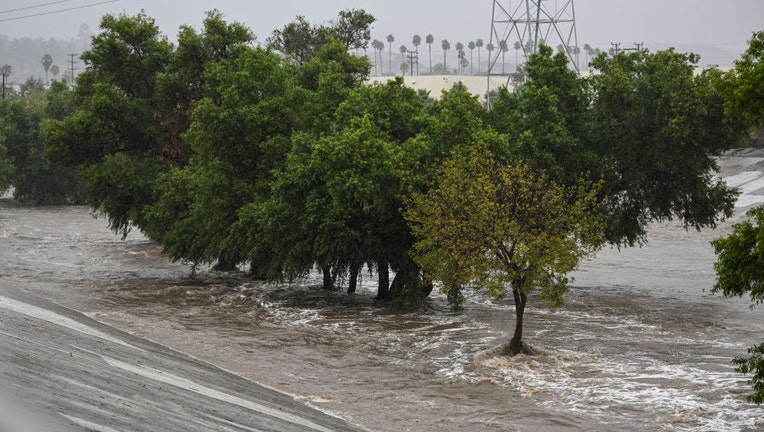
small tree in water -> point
(503, 227)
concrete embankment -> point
(62, 371)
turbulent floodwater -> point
(641, 345)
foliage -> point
(740, 255)
(749, 81)
(6, 167)
(753, 365)
(656, 129)
(301, 41)
(739, 269)
(33, 177)
(500, 226)
(281, 157)
(233, 138)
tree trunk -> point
(516, 344)
(353, 282)
(383, 292)
(328, 279)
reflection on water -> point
(640, 344)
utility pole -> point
(413, 59)
(5, 71)
(617, 47)
(72, 61)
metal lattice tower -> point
(523, 25)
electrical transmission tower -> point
(521, 25)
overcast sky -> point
(712, 28)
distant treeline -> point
(24, 56)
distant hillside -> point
(24, 55)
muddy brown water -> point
(641, 344)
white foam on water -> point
(598, 387)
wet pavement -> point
(62, 371)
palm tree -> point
(504, 48)
(446, 46)
(459, 53)
(576, 51)
(380, 49)
(471, 47)
(459, 48)
(518, 46)
(416, 40)
(529, 48)
(47, 61)
(390, 40)
(479, 45)
(588, 51)
(375, 46)
(429, 40)
(403, 51)
(490, 49)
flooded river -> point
(641, 344)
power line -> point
(58, 11)
(34, 7)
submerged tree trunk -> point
(516, 344)
(328, 279)
(353, 282)
(383, 292)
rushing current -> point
(640, 345)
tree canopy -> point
(23, 163)
(740, 255)
(281, 159)
(503, 227)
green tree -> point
(116, 120)
(235, 137)
(740, 255)
(300, 41)
(32, 86)
(505, 228)
(335, 204)
(739, 272)
(35, 180)
(6, 167)
(748, 74)
(656, 130)
(353, 28)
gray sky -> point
(716, 29)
